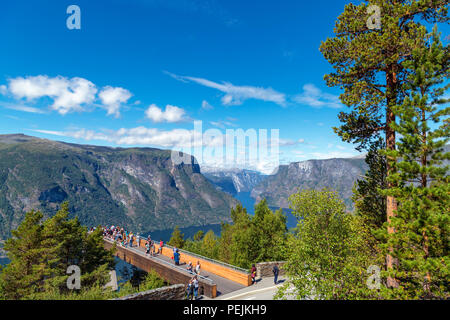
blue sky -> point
(139, 72)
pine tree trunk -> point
(391, 203)
(424, 183)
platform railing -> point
(134, 249)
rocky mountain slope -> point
(336, 174)
(139, 188)
(233, 180)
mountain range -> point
(142, 189)
(138, 188)
(335, 174)
(233, 181)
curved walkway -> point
(224, 286)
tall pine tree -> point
(369, 67)
(422, 224)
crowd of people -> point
(125, 238)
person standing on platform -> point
(176, 257)
(197, 268)
(195, 283)
(275, 271)
(161, 245)
(253, 274)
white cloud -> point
(171, 114)
(3, 89)
(332, 155)
(286, 142)
(298, 154)
(223, 124)
(112, 99)
(314, 97)
(176, 138)
(236, 95)
(20, 107)
(206, 105)
(68, 94)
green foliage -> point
(250, 239)
(257, 238)
(210, 245)
(370, 204)
(328, 255)
(177, 238)
(421, 183)
(147, 281)
(368, 63)
(199, 235)
(26, 271)
(40, 253)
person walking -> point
(176, 258)
(147, 247)
(275, 271)
(131, 239)
(152, 246)
(253, 274)
(190, 290)
(161, 245)
(195, 283)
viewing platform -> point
(216, 278)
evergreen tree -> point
(370, 204)
(199, 235)
(258, 238)
(269, 230)
(422, 223)
(210, 245)
(369, 67)
(242, 245)
(40, 253)
(177, 238)
(26, 271)
(225, 240)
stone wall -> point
(175, 292)
(264, 269)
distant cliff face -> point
(139, 188)
(336, 174)
(233, 180)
